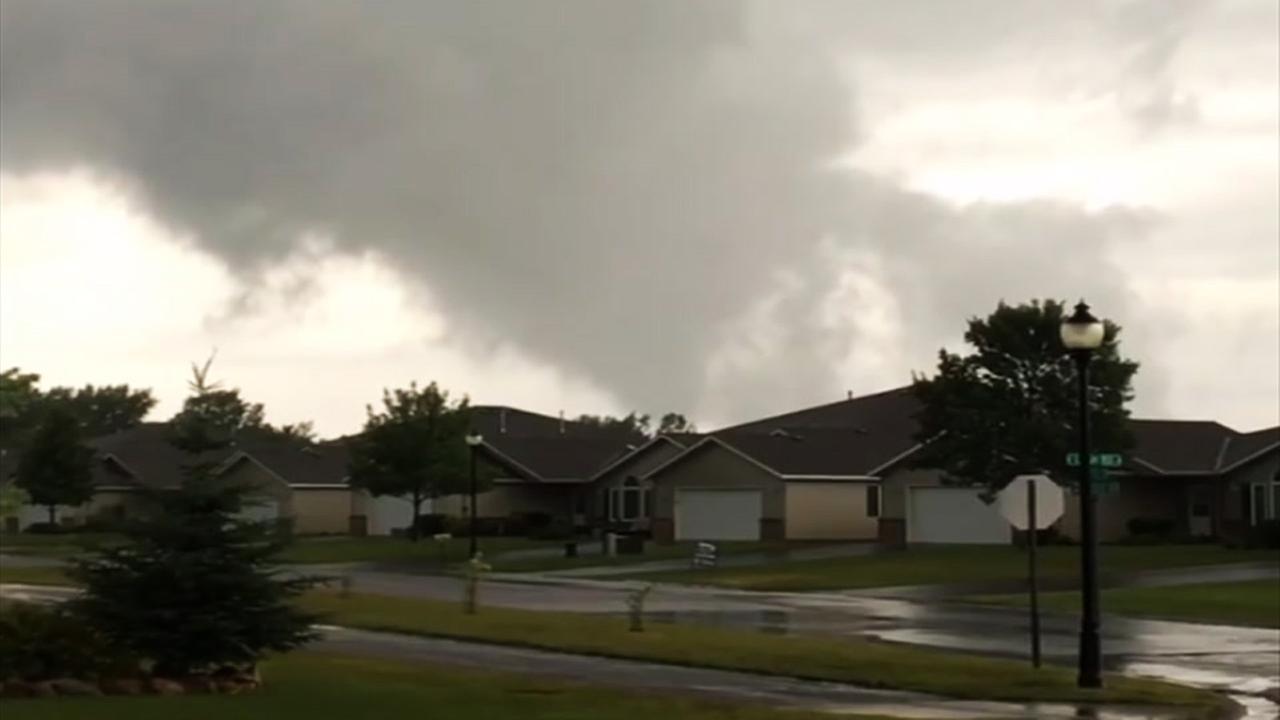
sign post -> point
(1031, 502)
(1031, 574)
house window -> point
(632, 500)
(1263, 502)
(873, 501)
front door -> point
(1200, 510)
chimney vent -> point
(850, 394)
(561, 422)
(502, 420)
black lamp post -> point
(473, 442)
(1082, 334)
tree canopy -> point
(1008, 405)
(99, 410)
(414, 446)
(214, 414)
(56, 466)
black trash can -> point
(571, 549)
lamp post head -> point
(474, 439)
(1082, 331)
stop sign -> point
(1013, 501)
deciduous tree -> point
(414, 446)
(1008, 405)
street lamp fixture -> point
(1082, 334)
(473, 441)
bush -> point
(40, 643)
(1152, 527)
(432, 524)
(536, 521)
(46, 528)
(557, 529)
(1265, 535)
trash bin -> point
(571, 549)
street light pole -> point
(1082, 333)
(473, 442)
(1090, 671)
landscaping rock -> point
(197, 685)
(74, 688)
(121, 686)
(43, 690)
(18, 689)
(161, 686)
(1272, 694)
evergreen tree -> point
(195, 586)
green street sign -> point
(1106, 460)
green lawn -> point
(61, 545)
(856, 661)
(1254, 603)
(33, 576)
(311, 686)
(956, 564)
(652, 551)
(426, 553)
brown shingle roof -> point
(851, 437)
(560, 457)
(1246, 445)
(1179, 445)
(148, 457)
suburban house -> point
(546, 465)
(303, 484)
(847, 470)
(1208, 479)
(814, 474)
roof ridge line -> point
(1222, 453)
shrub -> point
(39, 643)
(558, 529)
(537, 520)
(432, 524)
(1157, 527)
(1265, 535)
(46, 528)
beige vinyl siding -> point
(829, 511)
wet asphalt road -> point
(1239, 660)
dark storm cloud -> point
(608, 185)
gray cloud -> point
(609, 185)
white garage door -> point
(718, 514)
(260, 509)
(389, 512)
(953, 515)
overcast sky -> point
(720, 208)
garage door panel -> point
(953, 515)
(718, 514)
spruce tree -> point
(195, 586)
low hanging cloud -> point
(613, 187)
